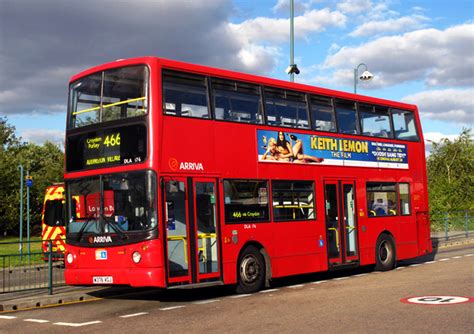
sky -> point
(420, 52)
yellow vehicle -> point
(52, 219)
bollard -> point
(446, 224)
(50, 267)
(3, 266)
(466, 223)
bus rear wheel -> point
(251, 271)
(385, 253)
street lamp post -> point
(292, 37)
(292, 69)
(365, 76)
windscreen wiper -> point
(116, 228)
(83, 228)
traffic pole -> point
(20, 167)
(29, 183)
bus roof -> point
(229, 74)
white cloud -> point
(401, 24)
(56, 39)
(283, 6)
(436, 137)
(451, 105)
(38, 56)
(40, 136)
(435, 56)
(264, 29)
(354, 6)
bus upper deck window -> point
(236, 101)
(323, 114)
(286, 108)
(109, 95)
(185, 95)
(404, 125)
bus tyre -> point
(385, 253)
(251, 271)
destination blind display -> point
(106, 148)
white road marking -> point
(269, 290)
(399, 268)
(202, 302)
(444, 260)
(319, 282)
(360, 275)
(295, 286)
(133, 315)
(7, 317)
(340, 278)
(72, 324)
(171, 308)
(240, 296)
(39, 321)
(415, 265)
(457, 257)
(469, 255)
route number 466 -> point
(112, 140)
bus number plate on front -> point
(102, 280)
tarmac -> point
(63, 295)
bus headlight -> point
(136, 257)
(69, 258)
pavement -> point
(63, 295)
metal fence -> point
(43, 267)
(449, 224)
(27, 270)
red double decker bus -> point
(191, 175)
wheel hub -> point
(249, 269)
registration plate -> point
(102, 280)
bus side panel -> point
(299, 250)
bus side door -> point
(341, 222)
(191, 230)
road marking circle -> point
(437, 300)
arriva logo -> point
(191, 166)
(175, 165)
(100, 239)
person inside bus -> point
(284, 147)
(298, 154)
(392, 208)
(379, 207)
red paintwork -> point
(228, 150)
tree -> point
(7, 135)
(451, 174)
(45, 164)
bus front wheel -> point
(385, 253)
(251, 271)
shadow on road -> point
(198, 294)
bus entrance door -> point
(190, 225)
(341, 222)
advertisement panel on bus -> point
(288, 147)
